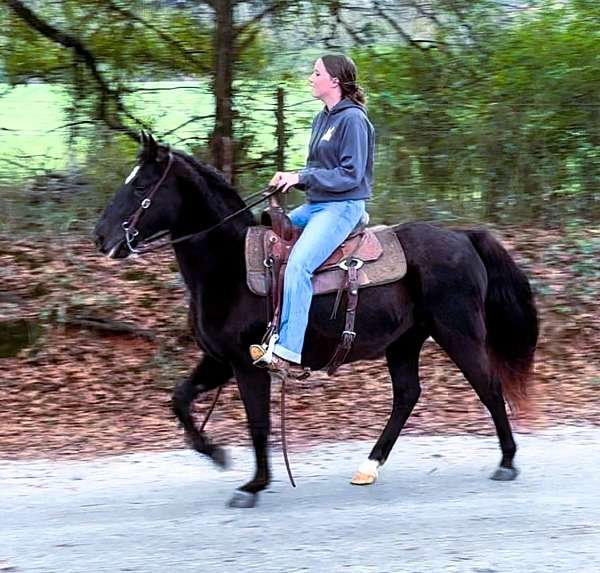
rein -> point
(282, 422)
(131, 232)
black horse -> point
(461, 288)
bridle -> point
(131, 232)
(129, 226)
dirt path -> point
(432, 510)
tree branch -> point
(187, 122)
(335, 10)
(275, 6)
(17, 164)
(69, 125)
(404, 35)
(243, 28)
(463, 20)
(108, 325)
(165, 37)
(429, 15)
(351, 32)
(73, 43)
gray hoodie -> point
(340, 155)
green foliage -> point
(129, 41)
(21, 47)
(506, 128)
(495, 118)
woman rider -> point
(337, 180)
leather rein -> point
(131, 232)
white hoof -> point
(366, 474)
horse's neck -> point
(212, 262)
(210, 259)
(204, 208)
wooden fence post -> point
(280, 130)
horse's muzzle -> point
(115, 249)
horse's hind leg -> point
(462, 335)
(403, 362)
(208, 374)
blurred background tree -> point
(485, 110)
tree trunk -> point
(222, 137)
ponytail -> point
(357, 96)
(344, 69)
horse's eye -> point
(139, 190)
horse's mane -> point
(225, 192)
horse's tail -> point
(511, 319)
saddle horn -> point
(274, 216)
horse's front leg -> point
(208, 375)
(255, 391)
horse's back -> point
(442, 259)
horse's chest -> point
(207, 326)
(218, 319)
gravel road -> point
(433, 510)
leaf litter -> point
(80, 392)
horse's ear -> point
(151, 147)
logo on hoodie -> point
(328, 134)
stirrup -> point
(285, 369)
(262, 354)
(304, 374)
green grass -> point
(27, 116)
(31, 117)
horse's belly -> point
(384, 313)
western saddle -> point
(368, 257)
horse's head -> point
(146, 204)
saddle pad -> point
(389, 267)
(366, 246)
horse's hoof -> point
(203, 445)
(504, 474)
(243, 499)
(220, 457)
(199, 442)
(360, 478)
(367, 473)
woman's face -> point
(321, 82)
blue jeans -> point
(326, 226)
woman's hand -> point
(283, 180)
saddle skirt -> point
(377, 247)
